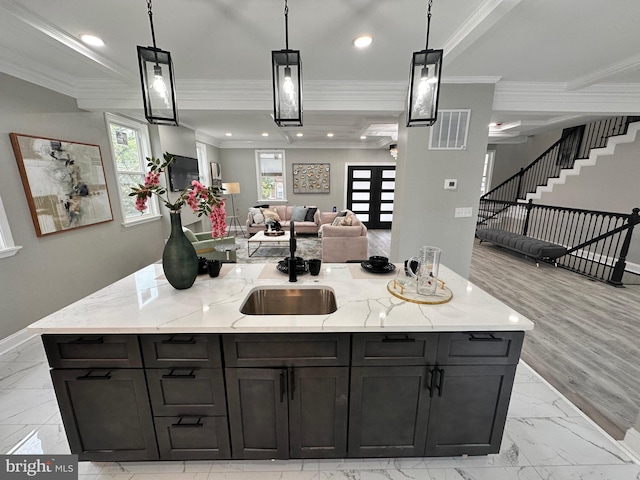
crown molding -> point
(553, 97)
(43, 76)
(594, 77)
(34, 21)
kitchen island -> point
(143, 371)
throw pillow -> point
(298, 214)
(257, 215)
(336, 221)
(346, 221)
(311, 212)
(189, 234)
(342, 213)
(270, 214)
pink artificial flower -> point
(218, 218)
(141, 204)
(152, 179)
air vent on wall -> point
(450, 130)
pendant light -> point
(287, 82)
(424, 84)
(156, 77)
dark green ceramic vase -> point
(179, 259)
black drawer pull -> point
(432, 380)
(405, 339)
(173, 374)
(292, 380)
(181, 424)
(440, 381)
(87, 341)
(283, 386)
(88, 376)
(490, 338)
(178, 341)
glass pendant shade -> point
(424, 88)
(287, 88)
(158, 88)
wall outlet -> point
(464, 212)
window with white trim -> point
(129, 150)
(203, 164)
(270, 172)
(7, 247)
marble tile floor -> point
(546, 438)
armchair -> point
(341, 243)
(205, 246)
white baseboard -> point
(15, 340)
(632, 441)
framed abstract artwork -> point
(64, 183)
(311, 177)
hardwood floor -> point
(585, 341)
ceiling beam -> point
(477, 24)
(630, 63)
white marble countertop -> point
(145, 303)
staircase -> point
(579, 147)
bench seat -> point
(531, 247)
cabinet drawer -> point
(181, 349)
(186, 391)
(92, 351)
(192, 438)
(394, 349)
(480, 348)
(284, 350)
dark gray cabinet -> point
(469, 409)
(298, 412)
(106, 413)
(261, 396)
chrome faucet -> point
(293, 275)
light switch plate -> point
(462, 212)
(451, 183)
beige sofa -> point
(284, 213)
(342, 243)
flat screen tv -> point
(182, 172)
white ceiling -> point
(554, 63)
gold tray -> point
(443, 294)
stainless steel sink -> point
(290, 301)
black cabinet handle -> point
(432, 381)
(87, 341)
(88, 376)
(185, 424)
(173, 374)
(292, 380)
(440, 380)
(283, 386)
(490, 338)
(405, 339)
(178, 341)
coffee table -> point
(266, 240)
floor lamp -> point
(232, 189)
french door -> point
(370, 192)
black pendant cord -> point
(426, 47)
(153, 32)
(286, 25)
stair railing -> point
(598, 242)
(562, 154)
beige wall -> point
(53, 271)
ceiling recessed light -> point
(329, 134)
(299, 134)
(265, 134)
(363, 137)
(228, 134)
(363, 41)
(92, 40)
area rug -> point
(307, 247)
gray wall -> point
(56, 270)
(239, 165)
(424, 209)
(510, 158)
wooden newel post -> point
(618, 269)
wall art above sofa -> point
(311, 177)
